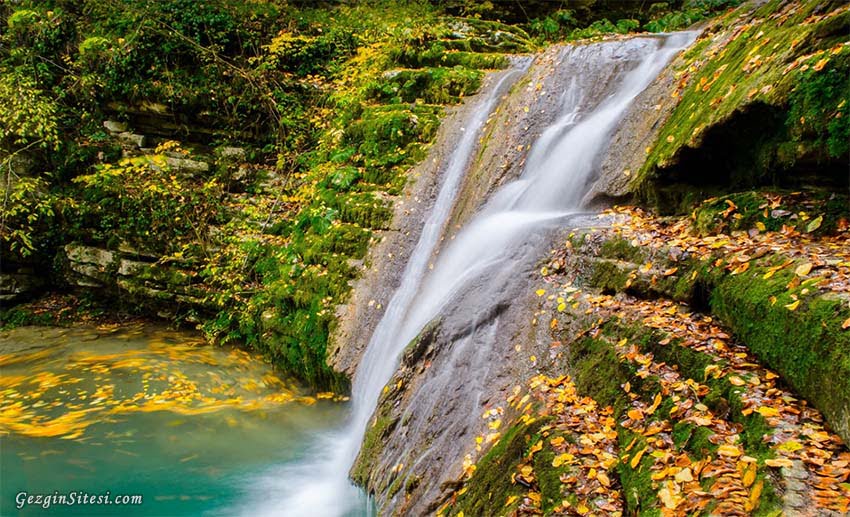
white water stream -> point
(556, 176)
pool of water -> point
(150, 411)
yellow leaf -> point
(779, 462)
(684, 475)
(651, 409)
(736, 381)
(526, 471)
(793, 305)
(846, 324)
(540, 292)
(635, 414)
(820, 64)
(749, 475)
(668, 498)
(729, 450)
(604, 479)
(790, 446)
(562, 307)
(767, 411)
(636, 459)
(560, 459)
(627, 387)
(511, 500)
(753, 502)
(803, 269)
(760, 225)
(658, 476)
(814, 224)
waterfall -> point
(556, 176)
(320, 487)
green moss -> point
(806, 346)
(621, 249)
(490, 486)
(731, 125)
(437, 55)
(746, 210)
(373, 443)
(638, 488)
(430, 85)
(608, 276)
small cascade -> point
(557, 174)
(320, 485)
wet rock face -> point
(637, 131)
(431, 411)
(535, 102)
(382, 269)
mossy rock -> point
(437, 85)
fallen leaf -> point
(636, 459)
(803, 269)
(684, 475)
(779, 462)
(767, 411)
(729, 450)
(814, 224)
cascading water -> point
(556, 176)
(320, 486)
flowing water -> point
(227, 447)
(556, 177)
(143, 410)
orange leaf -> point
(636, 459)
(635, 414)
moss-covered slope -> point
(761, 99)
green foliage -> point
(556, 26)
(141, 201)
(26, 216)
(691, 13)
(430, 85)
(27, 115)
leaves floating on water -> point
(48, 394)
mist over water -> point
(558, 173)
